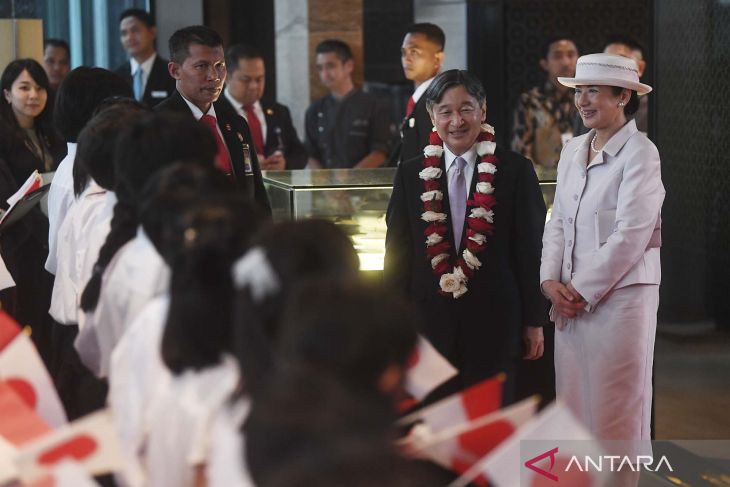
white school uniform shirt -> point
(225, 466)
(60, 198)
(181, 421)
(136, 375)
(136, 275)
(79, 239)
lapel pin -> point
(269, 111)
(411, 122)
(240, 137)
(228, 127)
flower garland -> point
(480, 219)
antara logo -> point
(602, 463)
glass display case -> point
(354, 199)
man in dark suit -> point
(470, 264)
(274, 135)
(198, 66)
(146, 72)
(422, 55)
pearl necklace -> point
(593, 144)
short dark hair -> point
(57, 43)
(545, 49)
(79, 95)
(451, 79)
(142, 15)
(627, 41)
(632, 106)
(195, 34)
(433, 33)
(340, 48)
(237, 52)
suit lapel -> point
(234, 144)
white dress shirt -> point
(60, 198)
(146, 69)
(257, 109)
(198, 114)
(421, 90)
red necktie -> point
(256, 132)
(410, 106)
(223, 159)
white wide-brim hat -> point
(606, 70)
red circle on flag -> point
(76, 448)
(25, 390)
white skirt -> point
(603, 363)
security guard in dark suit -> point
(146, 72)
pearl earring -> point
(621, 103)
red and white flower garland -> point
(480, 219)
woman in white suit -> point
(600, 259)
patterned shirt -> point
(544, 120)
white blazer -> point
(605, 229)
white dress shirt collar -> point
(421, 90)
(197, 112)
(146, 65)
(469, 156)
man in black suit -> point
(274, 135)
(422, 55)
(146, 72)
(198, 66)
(470, 264)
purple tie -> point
(457, 199)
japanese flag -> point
(556, 426)
(18, 423)
(22, 368)
(65, 474)
(460, 447)
(427, 369)
(90, 441)
(472, 403)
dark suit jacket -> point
(414, 131)
(236, 136)
(158, 82)
(280, 133)
(480, 332)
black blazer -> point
(236, 136)
(414, 132)
(479, 332)
(280, 133)
(160, 85)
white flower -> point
(471, 259)
(485, 188)
(478, 238)
(487, 167)
(433, 239)
(480, 212)
(449, 283)
(433, 151)
(460, 274)
(485, 147)
(432, 216)
(430, 173)
(461, 291)
(432, 195)
(437, 259)
(487, 128)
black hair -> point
(151, 143)
(199, 321)
(295, 251)
(237, 52)
(545, 48)
(142, 15)
(195, 34)
(79, 95)
(627, 41)
(433, 33)
(58, 43)
(632, 106)
(42, 122)
(351, 331)
(451, 79)
(95, 152)
(340, 48)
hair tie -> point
(254, 271)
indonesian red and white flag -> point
(65, 474)
(554, 428)
(22, 368)
(470, 404)
(460, 447)
(19, 424)
(90, 441)
(427, 369)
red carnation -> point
(485, 177)
(480, 225)
(432, 185)
(434, 139)
(439, 248)
(485, 200)
(442, 267)
(432, 205)
(431, 161)
(490, 158)
(465, 268)
(473, 246)
(434, 228)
